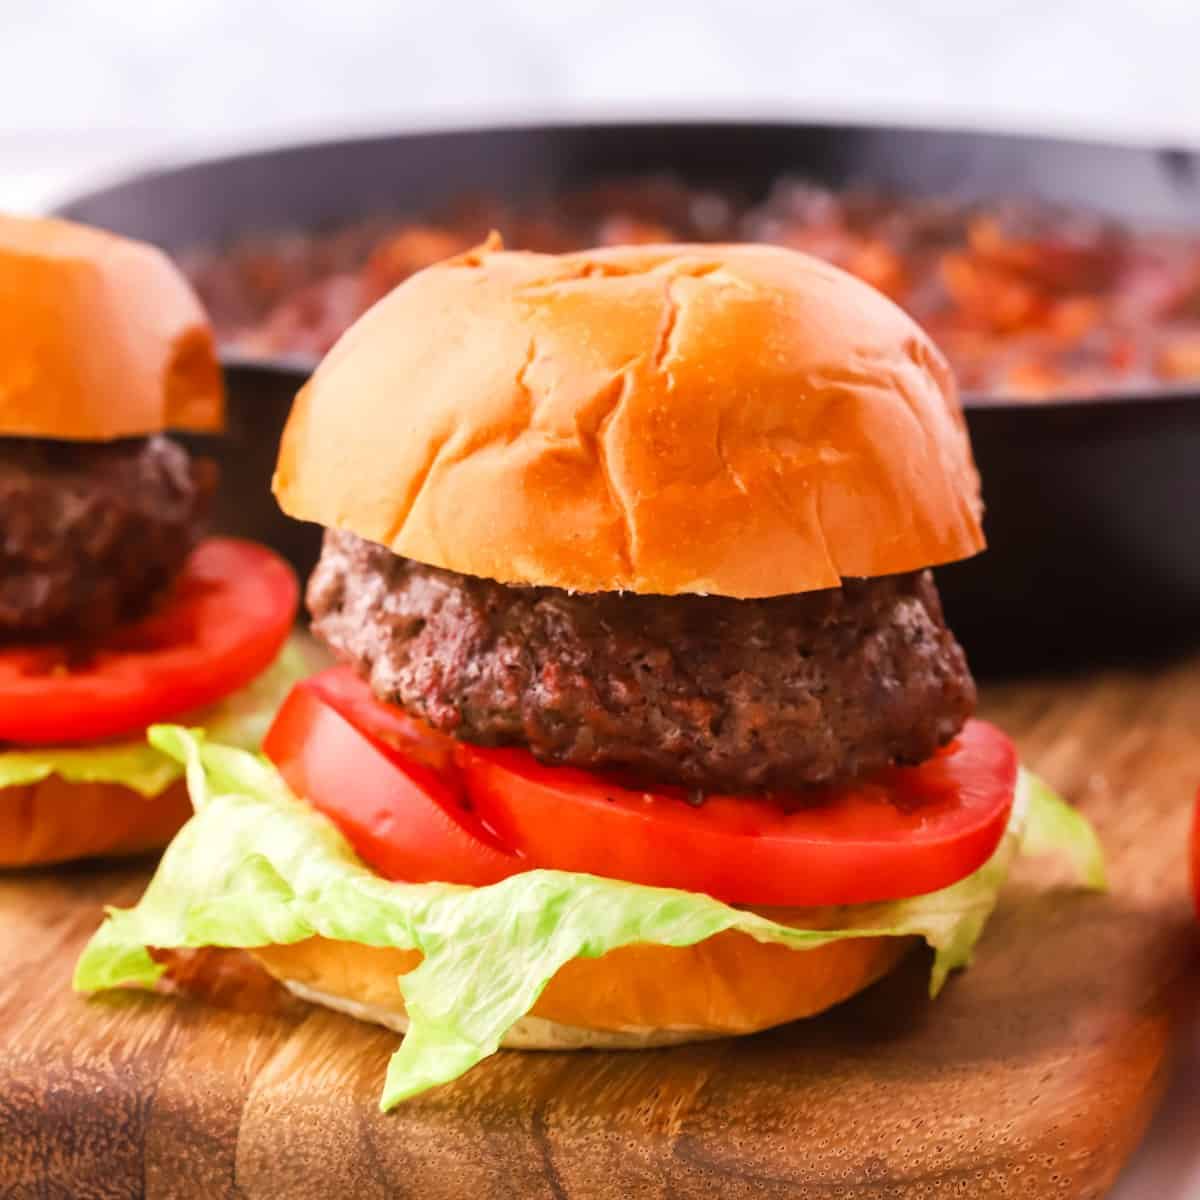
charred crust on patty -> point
(705, 692)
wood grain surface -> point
(1033, 1076)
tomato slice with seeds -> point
(223, 623)
(418, 806)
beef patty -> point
(703, 691)
(91, 532)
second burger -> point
(116, 611)
(649, 727)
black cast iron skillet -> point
(1092, 504)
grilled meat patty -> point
(706, 692)
(92, 532)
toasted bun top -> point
(100, 337)
(735, 420)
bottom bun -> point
(529, 1033)
(55, 821)
(634, 997)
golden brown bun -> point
(100, 338)
(635, 996)
(735, 420)
(55, 821)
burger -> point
(115, 611)
(647, 726)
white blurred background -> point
(90, 87)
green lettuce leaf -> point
(256, 867)
(241, 720)
(1053, 827)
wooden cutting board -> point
(1033, 1076)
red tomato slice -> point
(418, 806)
(905, 832)
(412, 741)
(223, 623)
(393, 791)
